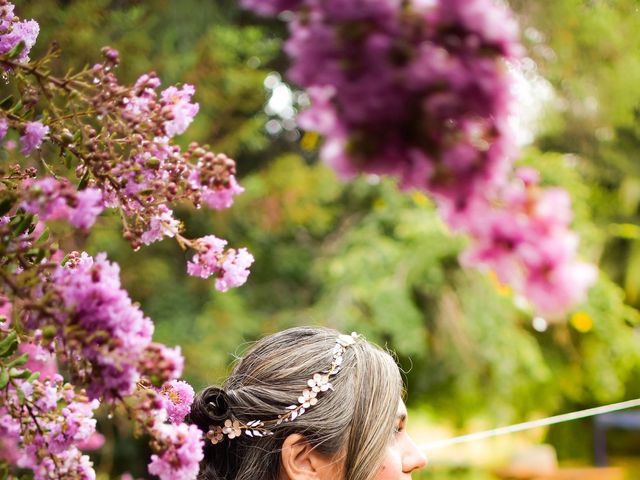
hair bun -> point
(210, 407)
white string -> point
(532, 424)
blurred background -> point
(364, 256)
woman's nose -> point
(413, 458)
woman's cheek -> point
(391, 468)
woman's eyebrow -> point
(402, 416)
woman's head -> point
(350, 426)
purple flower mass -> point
(419, 90)
(231, 266)
(178, 108)
(12, 32)
(31, 139)
(105, 333)
(53, 199)
(64, 420)
(179, 451)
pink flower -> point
(161, 364)
(89, 206)
(100, 327)
(231, 266)
(40, 360)
(34, 133)
(234, 270)
(94, 442)
(270, 7)
(4, 127)
(162, 224)
(178, 108)
(178, 397)
(220, 198)
(206, 262)
(557, 290)
(53, 199)
(521, 232)
(178, 453)
(12, 32)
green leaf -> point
(21, 360)
(16, 107)
(17, 49)
(6, 204)
(6, 102)
(17, 373)
(44, 237)
(20, 395)
(84, 180)
(4, 378)
(7, 343)
(33, 377)
(20, 223)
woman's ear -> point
(300, 461)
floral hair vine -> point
(319, 383)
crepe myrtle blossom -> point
(159, 364)
(523, 235)
(13, 31)
(33, 136)
(213, 178)
(177, 396)
(178, 451)
(45, 438)
(40, 360)
(178, 109)
(363, 62)
(230, 266)
(53, 199)
(162, 224)
(103, 334)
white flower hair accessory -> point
(318, 384)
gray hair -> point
(353, 422)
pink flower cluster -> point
(178, 397)
(155, 172)
(104, 335)
(230, 266)
(524, 237)
(42, 425)
(13, 31)
(53, 199)
(419, 90)
(178, 451)
(32, 136)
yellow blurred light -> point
(420, 199)
(309, 140)
(582, 321)
(501, 288)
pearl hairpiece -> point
(319, 383)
